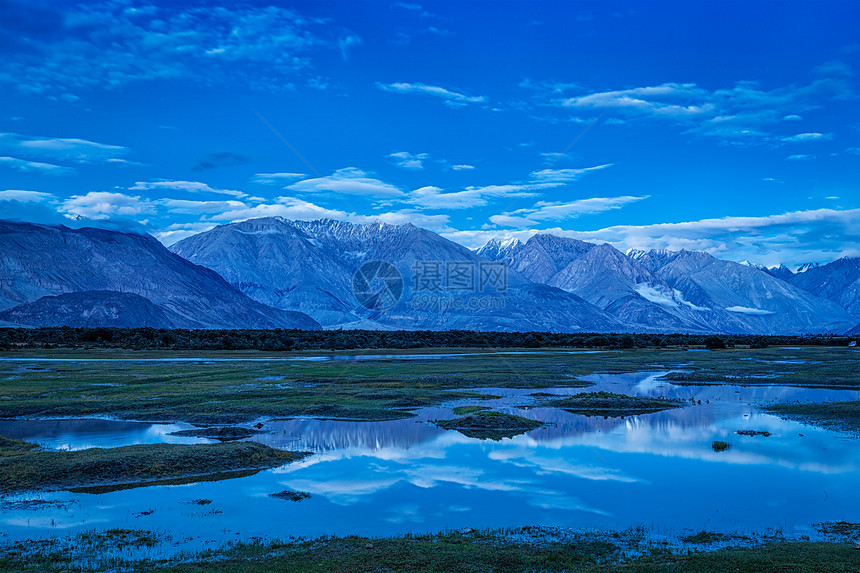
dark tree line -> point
(285, 340)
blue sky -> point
(731, 127)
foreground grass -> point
(836, 415)
(446, 552)
(24, 467)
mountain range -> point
(277, 273)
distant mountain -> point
(740, 298)
(46, 261)
(606, 278)
(838, 281)
(500, 249)
(806, 266)
(277, 264)
(89, 308)
(780, 272)
(312, 265)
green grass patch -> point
(490, 425)
(720, 446)
(463, 410)
(23, 468)
(220, 433)
(612, 405)
(843, 416)
(290, 495)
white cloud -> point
(408, 160)
(347, 181)
(450, 97)
(200, 207)
(462, 167)
(25, 166)
(431, 197)
(648, 100)
(565, 175)
(743, 114)
(187, 186)
(800, 157)
(24, 196)
(276, 178)
(437, 223)
(804, 137)
(287, 207)
(551, 211)
(58, 148)
(510, 221)
(434, 198)
(103, 205)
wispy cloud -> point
(347, 181)
(435, 198)
(201, 207)
(408, 160)
(288, 207)
(277, 178)
(544, 211)
(76, 150)
(346, 43)
(450, 97)
(565, 175)
(105, 45)
(432, 197)
(744, 114)
(24, 196)
(25, 166)
(462, 167)
(805, 137)
(187, 186)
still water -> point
(383, 478)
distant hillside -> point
(45, 261)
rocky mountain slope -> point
(838, 281)
(46, 261)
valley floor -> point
(226, 389)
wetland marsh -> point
(605, 441)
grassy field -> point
(235, 391)
(837, 415)
(471, 552)
(24, 467)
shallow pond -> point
(382, 478)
